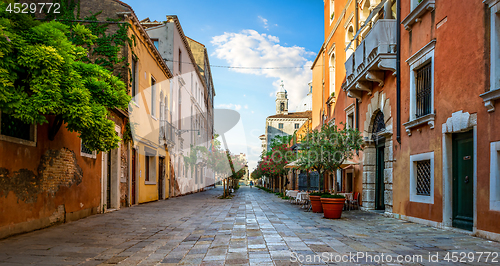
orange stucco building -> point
(44, 182)
(430, 128)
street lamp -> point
(180, 131)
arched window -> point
(332, 10)
(282, 107)
(349, 36)
(332, 73)
(378, 125)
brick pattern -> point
(59, 168)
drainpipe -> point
(356, 17)
(398, 71)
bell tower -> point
(282, 100)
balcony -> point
(374, 55)
(167, 133)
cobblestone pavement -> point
(254, 227)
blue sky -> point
(250, 34)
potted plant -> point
(332, 205)
(315, 198)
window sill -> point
(421, 199)
(18, 141)
(416, 14)
(92, 156)
(489, 99)
(427, 119)
(495, 206)
(149, 182)
(154, 118)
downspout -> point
(323, 86)
(398, 71)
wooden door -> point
(161, 171)
(379, 181)
(463, 183)
(133, 177)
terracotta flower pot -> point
(332, 207)
(316, 203)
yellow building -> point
(150, 91)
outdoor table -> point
(302, 197)
(292, 194)
(348, 198)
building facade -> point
(283, 123)
(189, 110)
(431, 147)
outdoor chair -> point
(354, 201)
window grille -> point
(86, 150)
(378, 125)
(424, 177)
(423, 90)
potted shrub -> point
(315, 198)
(332, 205)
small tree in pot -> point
(326, 150)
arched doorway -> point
(379, 140)
(378, 155)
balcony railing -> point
(376, 53)
(167, 133)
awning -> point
(347, 163)
(292, 164)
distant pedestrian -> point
(251, 184)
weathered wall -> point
(460, 75)
(46, 184)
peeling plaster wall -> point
(47, 184)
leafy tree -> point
(42, 74)
(273, 165)
(327, 149)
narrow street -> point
(254, 227)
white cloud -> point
(229, 106)
(249, 48)
(246, 106)
(265, 22)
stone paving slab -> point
(253, 228)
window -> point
(180, 61)
(156, 43)
(280, 125)
(14, 130)
(146, 166)
(495, 176)
(134, 78)
(86, 152)
(349, 36)
(153, 96)
(349, 116)
(423, 90)
(150, 169)
(297, 126)
(282, 107)
(332, 10)
(332, 73)
(350, 120)
(422, 178)
(421, 87)
(493, 94)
